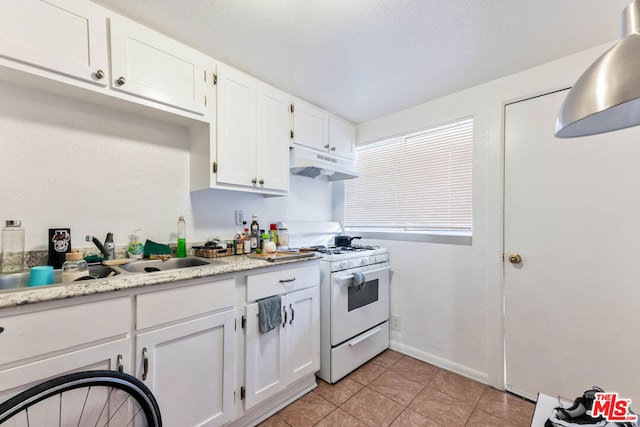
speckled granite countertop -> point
(232, 264)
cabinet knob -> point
(333, 148)
(121, 81)
(327, 146)
(261, 182)
(1, 329)
(119, 363)
(253, 181)
(99, 74)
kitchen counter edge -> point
(225, 265)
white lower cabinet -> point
(56, 340)
(189, 368)
(288, 352)
(189, 364)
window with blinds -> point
(417, 182)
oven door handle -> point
(365, 336)
(350, 276)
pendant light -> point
(607, 96)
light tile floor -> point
(397, 390)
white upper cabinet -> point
(310, 126)
(152, 66)
(68, 37)
(236, 127)
(342, 137)
(252, 133)
(274, 130)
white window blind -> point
(417, 182)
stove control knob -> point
(363, 261)
(341, 265)
(379, 258)
(349, 264)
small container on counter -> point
(74, 267)
(273, 231)
(283, 237)
(12, 240)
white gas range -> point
(354, 298)
(354, 308)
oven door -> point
(355, 309)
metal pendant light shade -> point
(607, 96)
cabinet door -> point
(236, 142)
(111, 356)
(65, 36)
(303, 333)
(265, 364)
(149, 65)
(273, 138)
(190, 370)
(310, 126)
(342, 137)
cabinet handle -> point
(285, 316)
(253, 181)
(333, 148)
(121, 81)
(145, 364)
(119, 363)
(261, 182)
(287, 280)
(327, 146)
(293, 314)
(99, 74)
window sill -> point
(444, 237)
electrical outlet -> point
(396, 323)
(239, 216)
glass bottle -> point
(12, 240)
(74, 267)
(182, 238)
(255, 233)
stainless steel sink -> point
(21, 280)
(153, 265)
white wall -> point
(450, 297)
(66, 163)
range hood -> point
(311, 163)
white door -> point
(303, 333)
(64, 36)
(190, 370)
(572, 210)
(236, 142)
(272, 168)
(265, 360)
(342, 137)
(310, 126)
(150, 65)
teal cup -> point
(41, 275)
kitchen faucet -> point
(108, 250)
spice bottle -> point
(12, 240)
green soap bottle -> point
(182, 238)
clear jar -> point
(74, 267)
(283, 237)
(12, 240)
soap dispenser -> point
(136, 247)
(182, 238)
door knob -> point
(515, 259)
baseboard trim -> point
(440, 362)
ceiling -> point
(362, 59)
